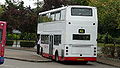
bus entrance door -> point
(51, 46)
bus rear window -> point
(81, 12)
(81, 37)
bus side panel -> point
(57, 28)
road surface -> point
(9, 63)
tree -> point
(1, 11)
(108, 16)
(19, 17)
(51, 4)
(79, 2)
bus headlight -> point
(2, 45)
(2, 24)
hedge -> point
(28, 44)
(9, 43)
(117, 40)
(111, 50)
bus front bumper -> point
(1, 60)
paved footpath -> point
(24, 56)
(109, 61)
(106, 60)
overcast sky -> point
(26, 2)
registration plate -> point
(81, 59)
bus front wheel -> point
(38, 48)
(84, 62)
(1, 62)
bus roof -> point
(61, 8)
(2, 22)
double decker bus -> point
(2, 40)
(68, 33)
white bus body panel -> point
(52, 29)
(84, 47)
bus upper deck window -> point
(81, 12)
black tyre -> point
(1, 63)
(38, 49)
(56, 57)
(84, 62)
(41, 51)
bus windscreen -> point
(0, 34)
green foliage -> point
(28, 36)
(44, 19)
(117, 40)
(80, 2)
(102, 38)
(109, 40)
(22, 36)
(1, 10)
(27, 44)
(13, 36)
(108, 15)
(19, 17)
(50, 4)
(9, 36)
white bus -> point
(68, 33)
